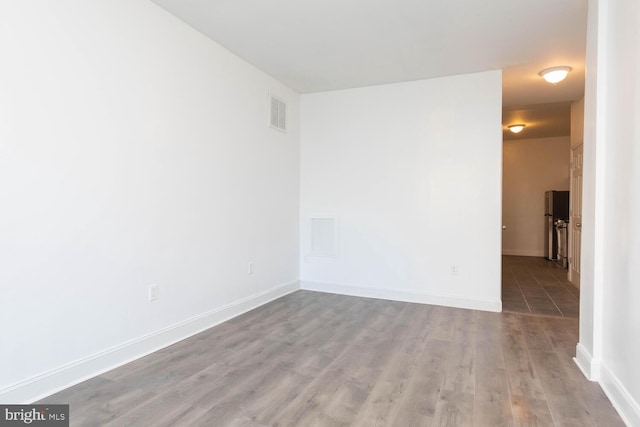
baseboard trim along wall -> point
(403, 295)
(51, 382)
(621, 399)
(627, 407)
(587, 364)
(523, 252)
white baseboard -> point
(589, 366)
(58, 379)
(625, 404)
(523, 252)
(403, 295)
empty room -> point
(290, 213)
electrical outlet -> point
(250, 270)
(454, 270)
(154, 292)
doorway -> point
(534, 280)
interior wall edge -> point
(54, 380)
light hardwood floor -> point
(313, 359)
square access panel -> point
(324, 239)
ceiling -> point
(542, 120)
(337, 44)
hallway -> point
(537, 286)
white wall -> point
(412, 171)
(530, 167)
(621, 292)
(609, 349)
(133, 150)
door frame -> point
(575, 202)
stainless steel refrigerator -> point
(556, 208)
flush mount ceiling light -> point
(516, 128)
(555, 74)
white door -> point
(575, 214)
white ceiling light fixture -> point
(516, 128)
(555, 75)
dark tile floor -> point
(537, 286)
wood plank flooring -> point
(313, 359)
(537, 286)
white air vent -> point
(324, 238)
(278, 118)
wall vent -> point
(324, 237)
(278, 118)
